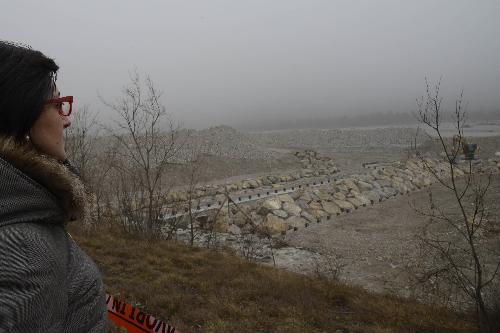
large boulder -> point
(355, 202)
(318, 213)
(363, 199)
(323, 194)
(296, 222)
(331, 208)
(256, 218)
(310, 218)
(350, 184)
(272, 204)
(344, 205)
(302, 204)
(274, 225)
(249, 183)
(315, 205)
(342, 188)
(273, 179)
(384, 182)
(389, 191)
(292, 208)
(240, 218)
(364, 186)
(285, 198)
(280, 213)
(307, 197)
(266, 182)
(372, 196)
(339, 196)
(233, 229)
(222, 224)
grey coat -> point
(47, 283)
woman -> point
(47, 283)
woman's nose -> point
(67, 122)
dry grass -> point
(205, 291)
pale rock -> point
(232, 187)
(342, 188)
(233, 229)
(355, 202)
(272, 204)
(296, 222)
(363, 199)
(256, 218)
(388, 172)
(389, 191)
(398, 179)
(352, 194)
(372, 196)
(295, 195)
(318, 213)
(307, 216)
(302, 204)
(339, 196)
(273, 179)
(239, 219)
(315, 205)
(364, 186)
(306, 196)
(263, 211)
(221, 225)
(249, 184)
(274, 225)
(331, 208)
(292, 208)
(285, 198)
(266, 181)
(344, 204)
(280, 213)
(323, 194)
(350, 184)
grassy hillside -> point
(205, 291)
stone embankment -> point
(308, 204)
(312, 165)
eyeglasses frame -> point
(68, 99)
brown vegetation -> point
(206, 291)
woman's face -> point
(47, 133)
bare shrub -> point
(461, 258)
(147, 143)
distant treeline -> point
(388, 118)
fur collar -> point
(51, 174)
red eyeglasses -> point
(64, 104)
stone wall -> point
(313, 204)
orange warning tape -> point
(133, 319)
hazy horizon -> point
(226, 62)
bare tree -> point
(81, 139)
(89, 156)
(194, 170)
(147, 143)
(456, 240)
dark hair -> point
(27, 80)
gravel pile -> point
(336, 138)
(222, 141)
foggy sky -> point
(236, 61)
